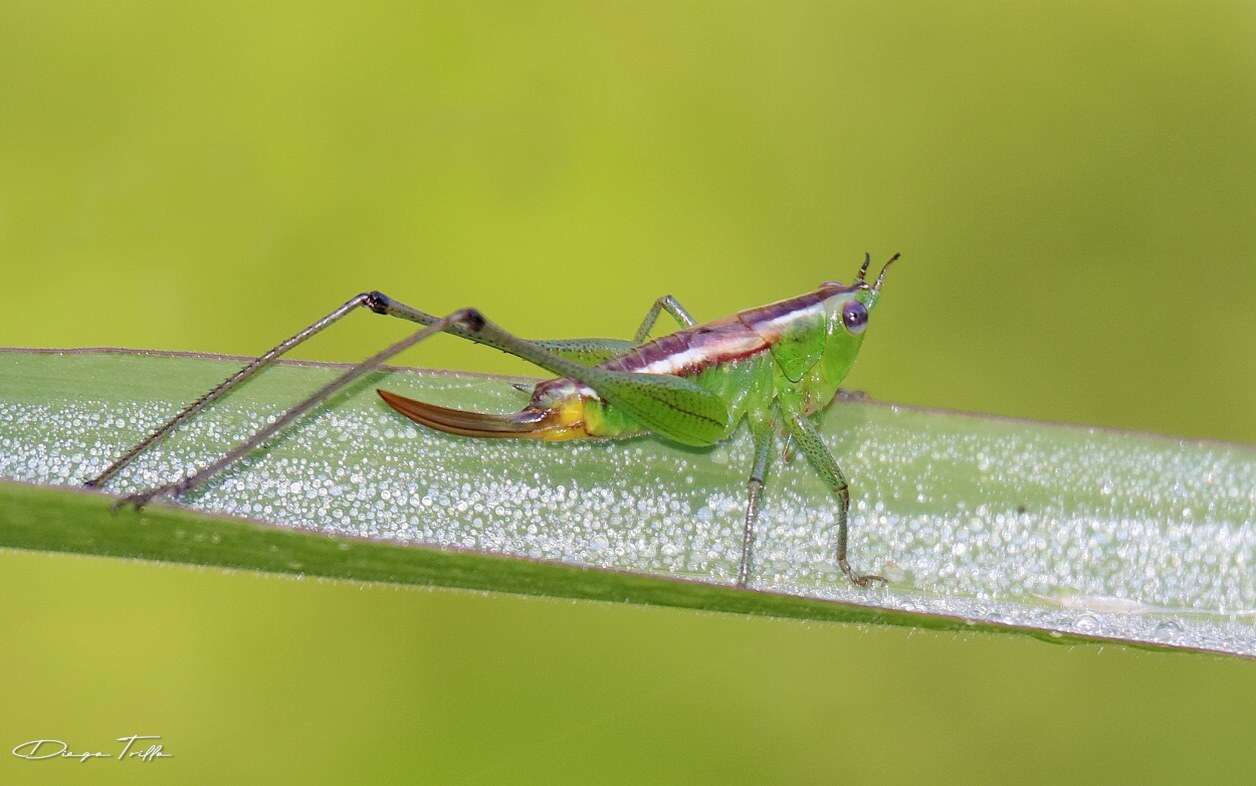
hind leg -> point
(189, 483)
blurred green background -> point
(1071, 185)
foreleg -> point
(808, 440)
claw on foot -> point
(138, 500)
(134, 501)
(868, 580)
(859, 579)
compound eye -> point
(854, 316)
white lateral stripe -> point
(777, 325)
(729, 346)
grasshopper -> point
(774, 367)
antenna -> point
(881, 276)
(863, 269)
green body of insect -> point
(771, 366)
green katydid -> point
(773, 367)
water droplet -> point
(1168, 628)
(1088, 623)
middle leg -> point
(763, 434)
(666, 303)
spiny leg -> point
(809, 442)
(369, 299)
(763, 434)
(459, 318)
(670, 305)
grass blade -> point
(982, 523)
